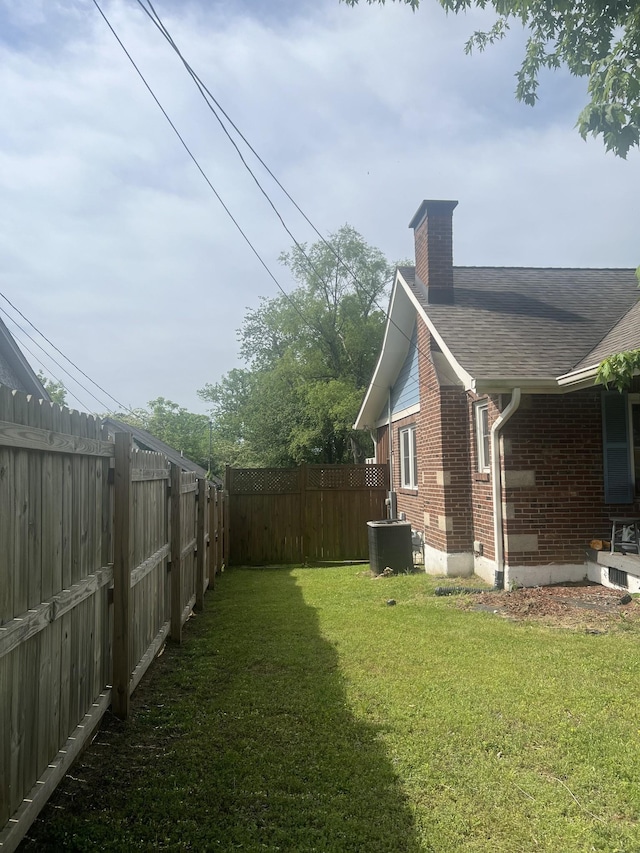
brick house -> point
(506, 458)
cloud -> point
(113, 244)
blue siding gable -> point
(406, 390)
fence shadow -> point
(250, 720)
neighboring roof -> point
(511, 326)
(146, 441)
(535, 323)
(15, 370)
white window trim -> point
(483, 453)
(412, 481)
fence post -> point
(302, 485)
(176, 554)
(201, 542)
(213, 536)
(122, 563)
(226, 512)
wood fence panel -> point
(176, 554)
(202, 562)
(149, 600)
(315, 513)
(215, 537)
(18, 508)
(7, 566)
(123, 563)
(69, 532)
(189, 517)
(51, 630)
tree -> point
(597, 39)
(619, 369)
(55, 390)
(185, 431)
(309, 358)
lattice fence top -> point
(289, 480)
(264, 480)
(347, 477)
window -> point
(481, 411)
(408, 458)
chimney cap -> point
(432, 207)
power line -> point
(74, 365)
(204, 92)
(202, 88)
(45, 368)
(57, 363)
(198, 166)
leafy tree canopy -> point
(597, 39)
(619, 369)
(309, 357)
(56, 390)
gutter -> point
(496, 484)
(577, 376)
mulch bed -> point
(586, 606)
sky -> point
(116, 249)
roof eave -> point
(398, 329)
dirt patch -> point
(579, 606)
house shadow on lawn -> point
(240, 739)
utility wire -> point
(153, 15)
(57, 363)
(197, 164)
(75, 366)
(204, 92)
(202, 88)
(46, 369)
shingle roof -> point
(533, 322)
(625, 335)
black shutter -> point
(618, 478)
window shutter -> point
(618, 480)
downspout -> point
(496, 484)
(392, 505)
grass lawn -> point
(304, 714)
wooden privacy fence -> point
(104, 551)
(311, 513)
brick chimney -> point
(433, 232)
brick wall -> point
(441, 507)
(554, 479)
